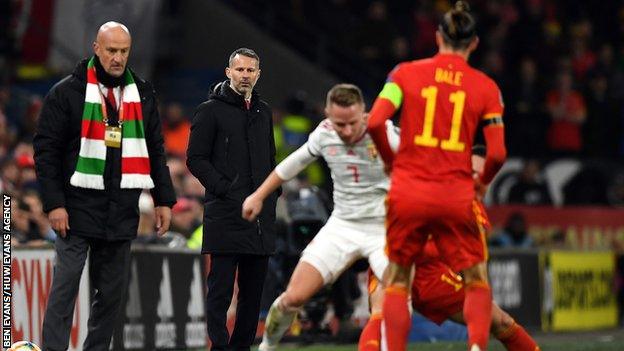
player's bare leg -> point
(396, 317)
(376, 300)
(504, 328)
(477, 306)
(304, 283)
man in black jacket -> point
(98, 144)
(231, 151)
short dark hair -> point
(344, 95)
(458, 27)
(245, 52)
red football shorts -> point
(453, 218)
(437, 291)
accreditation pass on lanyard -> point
(112, 134)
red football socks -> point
(478, 313)
(396, 318)
(371, 334)
(515, 338)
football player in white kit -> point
(356, 227)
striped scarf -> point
(135, 166)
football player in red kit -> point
(433, 191)
(438, 294)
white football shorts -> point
(341, 242)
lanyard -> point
(104, 108)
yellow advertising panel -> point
(583, 290)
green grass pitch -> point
(608, 340)
(584, 341)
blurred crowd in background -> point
(560, 66)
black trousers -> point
(252, 270)
(108, 272)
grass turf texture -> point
(444, 346)
(605, 340)
(584, 341)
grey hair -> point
(245, 52)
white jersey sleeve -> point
(295, 162)
(314, 143)
(394, 135)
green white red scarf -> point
(135, 166)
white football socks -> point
(277, 323)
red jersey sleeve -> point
(493, 103)
(494, 133)
(387, 102)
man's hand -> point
(59, 220)
(480, 188)
(163, 219)
(251, 207)
(478, 163)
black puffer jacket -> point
(231, 151)
(111, 214)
